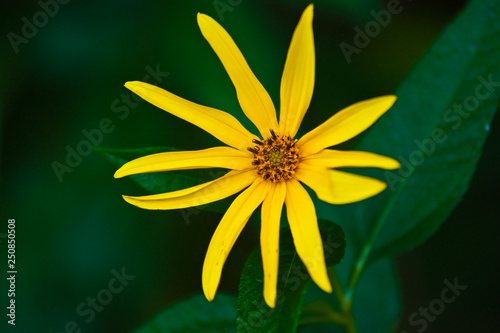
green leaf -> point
(253, 313)
(436, 130)
(439, 126)
(161, 182)
(195, 314)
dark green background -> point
(72, 233)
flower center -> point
(276, 157)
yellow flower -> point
(271, 168)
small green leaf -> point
(194, 315)
(253, 313)
(161, 182)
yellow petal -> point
(338, 187)
(228, 231)
(269, 240)
(221, 188)
(345, 124)
(329, 158)
(305, 232)
(297, 82)
(254, 99)
(220, 124)
(217, 157)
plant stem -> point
(346, 297)
(337, 287)
(349, 325)
(345, 304)
(366, 250)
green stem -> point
(346, 297)
(345, 305)
(366, 250)
(349, 325)
(337, 287)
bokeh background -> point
(75, 229)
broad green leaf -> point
(193, 315)
(161, 182)
(253, 313)
(439, 126)
(436, 130)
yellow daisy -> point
(270, 169)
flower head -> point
(270, 169)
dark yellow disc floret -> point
(276, 157)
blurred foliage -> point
(194, 315)
(73, 233)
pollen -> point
(276, 157)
